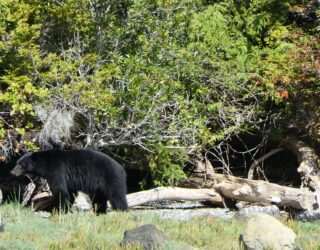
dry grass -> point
(27, 230)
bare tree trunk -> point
(173, 194)
(308, 160)
(257, 191)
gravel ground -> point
(182, 210)
(185, 214)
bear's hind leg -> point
(118, 200)
(119, 203)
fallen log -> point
(308, 163)
(42, 200)
(28, 192)
(254, 191)
(173, 194)
(257, 191)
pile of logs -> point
(215, 188)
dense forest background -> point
(159, 83)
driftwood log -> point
(308, 163)
(257, 191)
(173, 194)
(254, 191)
(41, 200)
(307, 159)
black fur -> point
(69, 171)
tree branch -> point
(261, 159)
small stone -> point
(43, 214)
(147, 235)
(265, 232)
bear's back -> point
(81, 158)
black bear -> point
(69, 171)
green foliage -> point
(31, 146)
(163, 170)
(175, 78)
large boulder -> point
(147, 235)
(265, 232)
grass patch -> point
(27, 230)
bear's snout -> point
(17, 171)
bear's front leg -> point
(61, 200)
(60, 194)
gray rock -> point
(265, 232)
(147, 235)
(248, 212)
(82, 202)
(309, 216)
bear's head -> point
(25, 165)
